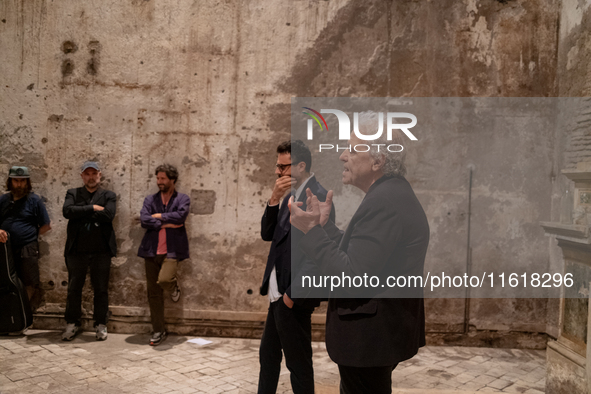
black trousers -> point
(26, 261)
(371, 380)
(290, 330)
(160, 275)
(100, 268)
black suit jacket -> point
(80, 213)
(388, 236)
(276, 227)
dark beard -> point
(19, 193)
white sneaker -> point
(71, 331)
(157, 338)
(101, 332)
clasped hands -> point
(167, 225)
(316, 213)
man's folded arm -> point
(179, 216)
(72, 211)
(108, 214)
(146, 217)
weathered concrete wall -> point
(574, 80)
(137, 84)
(568, 359)
(443, 49)
(207, 87)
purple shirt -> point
(175, 212)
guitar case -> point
(15, 311)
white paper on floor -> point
(200, 341)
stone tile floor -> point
(41, 363)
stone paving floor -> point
(41, 363)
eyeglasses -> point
(282, 167)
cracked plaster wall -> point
(207, 85)
(570, 317)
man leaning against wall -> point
(164, 245)
(90, 245)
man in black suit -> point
(90, 244)
(369, 333)
(288, 324)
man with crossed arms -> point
(165, 244)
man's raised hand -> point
(324, 207)
(305, 221)
(282, 185)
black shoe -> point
(176, 294)
(158, 338)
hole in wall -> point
(67, 67)
(69, 47)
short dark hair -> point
(299, 152)
(9, 184)
(170, 171)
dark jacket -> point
(388, 236)
(275, 227)
(23, 218)
(79, 213)
(177, 210)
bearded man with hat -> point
(24, 217)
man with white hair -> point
(387, 236)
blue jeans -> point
(100, 267)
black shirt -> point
(90, 238)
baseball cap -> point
(90, 164)
(19, 172)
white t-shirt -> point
(273, 292)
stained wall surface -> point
(571, 318)
(206, 86)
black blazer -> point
(275, 227)
(79, 213)
(388, 236)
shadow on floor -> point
(49, 337)
(144, 339)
